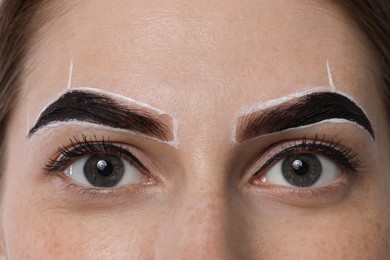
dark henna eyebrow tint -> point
(306, 110)
(99, 109)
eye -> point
(303, 170)
(103, 170)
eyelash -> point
(88, 146)
(340, 154)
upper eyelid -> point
(314, 146)
(94, 147)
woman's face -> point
(199, 130)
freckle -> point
(378, 226)
(211, 206)
(367, 244)
(214, 195)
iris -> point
(301, 170)
(104, 170)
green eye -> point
(104, 171)
(303, 170)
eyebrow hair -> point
(307, 110)
(102, 110)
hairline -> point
(20, 24)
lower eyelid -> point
(309, 197)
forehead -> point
(199, 55)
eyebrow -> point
(102, 110)
(306, 110)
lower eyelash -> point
(333, 150)
(310, 192)
(88, 146)
(92, 193)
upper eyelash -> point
(333, 150)
(87, 146)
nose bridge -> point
(197, 224)
(198, 221)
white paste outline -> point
(175, 123)
(277, 101)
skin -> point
(203, 63)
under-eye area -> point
(96, 163)
(308, 167)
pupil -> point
(300, 167)
(104, 167)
